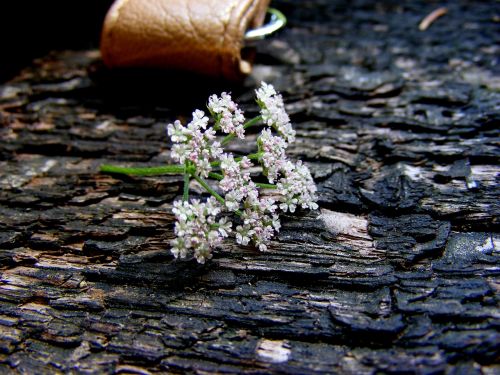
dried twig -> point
(431, 17)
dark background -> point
(30, 29)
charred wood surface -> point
(398, 272)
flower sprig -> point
(201, 226)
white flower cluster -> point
(273, 154)
(195, 143)
(297, 187)
(258, 216)
(197, 228)
(227, 114)
(259, 221)
(236, 182)
(273, 111)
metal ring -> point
(277, 21)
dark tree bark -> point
(397, 272)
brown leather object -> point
(203, 36)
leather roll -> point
(202, 36)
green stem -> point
(215, 176)
(203, 183)
(255, 156)
(266, 186)
(144, 171)
(248, 124)
(218, 176)
(185, 195)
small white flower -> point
(225, 227)
(245, 163)
(216, 150)
(233, 200)
(179, 248)
(265, 92)
(198, 122)
(276, 223)
(242, 235)
(227, 114)
(202, 253)
(177, 132)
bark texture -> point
(398, 272)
